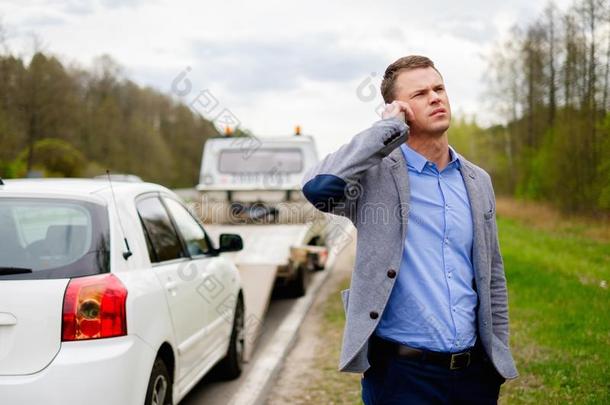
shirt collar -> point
(418, 162)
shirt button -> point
(453, 309)
(391, 273)
(374, 315)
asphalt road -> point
(212, 392)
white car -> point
(111, 293)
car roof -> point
(79, 188)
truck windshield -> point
(52, 238)
(262, 160)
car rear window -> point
(262, 160)
(52, 238)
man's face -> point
(423, 89)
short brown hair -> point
(405, 63)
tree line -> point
(549, 84)
(58, 120)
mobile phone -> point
(402, 116)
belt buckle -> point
(452, 365)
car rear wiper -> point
(13, 270)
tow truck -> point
(251, 186)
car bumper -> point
(106, 371)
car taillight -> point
(94, 308)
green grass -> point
(560, 316)
(560, 322)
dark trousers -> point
(399, 380)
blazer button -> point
(374, 315)
(391, 273)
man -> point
(427, 309)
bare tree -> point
(550, 14)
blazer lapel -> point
(398, 168)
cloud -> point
(37, 21)
(124, 3)
(83, 8)
(75, 7)
(261, 65)
(474, 30)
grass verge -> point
(560, 318)
(330, 386)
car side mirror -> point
(230, 242)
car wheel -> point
(159, 391)
(298, 286)
(230, 367)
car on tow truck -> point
(111, 293)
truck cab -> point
(251, 168)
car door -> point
(210, 276)
(170, 262)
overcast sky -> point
(275, 64)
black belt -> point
(379, 347)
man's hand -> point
(398, 109)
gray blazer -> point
(366, 180)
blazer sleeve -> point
(333, 185)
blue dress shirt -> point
(433, 302)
